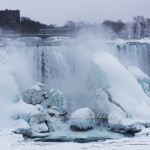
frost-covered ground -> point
(11, 141)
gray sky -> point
(59, 11)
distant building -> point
(9, 16)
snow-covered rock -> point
(83, 119)
(38, 125)
(141, 77)
(36, 94)
(57, 101)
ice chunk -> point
(36, 94)
(83, 119)
(57, 99)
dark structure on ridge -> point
(9, 16)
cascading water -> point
(135, 54)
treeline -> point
(138, 28)
(26, 25)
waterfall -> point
(57, 61)
(63, 63)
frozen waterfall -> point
(91, 74)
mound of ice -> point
(141, 77)
(36, 94)
(126, 97)
(83, 119)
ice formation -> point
(100, 82)
(99, 102)
(43, 104)
(141, 77)
(122, 88)
(57, 101)
(38, 124)
(35, 95)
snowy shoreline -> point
(11, 141)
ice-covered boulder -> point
(40, 128)
(36, 94)
(83, 119)
(37, 123)
(57, 101)
(33, 118)
(141, 77)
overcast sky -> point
(59, 11)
